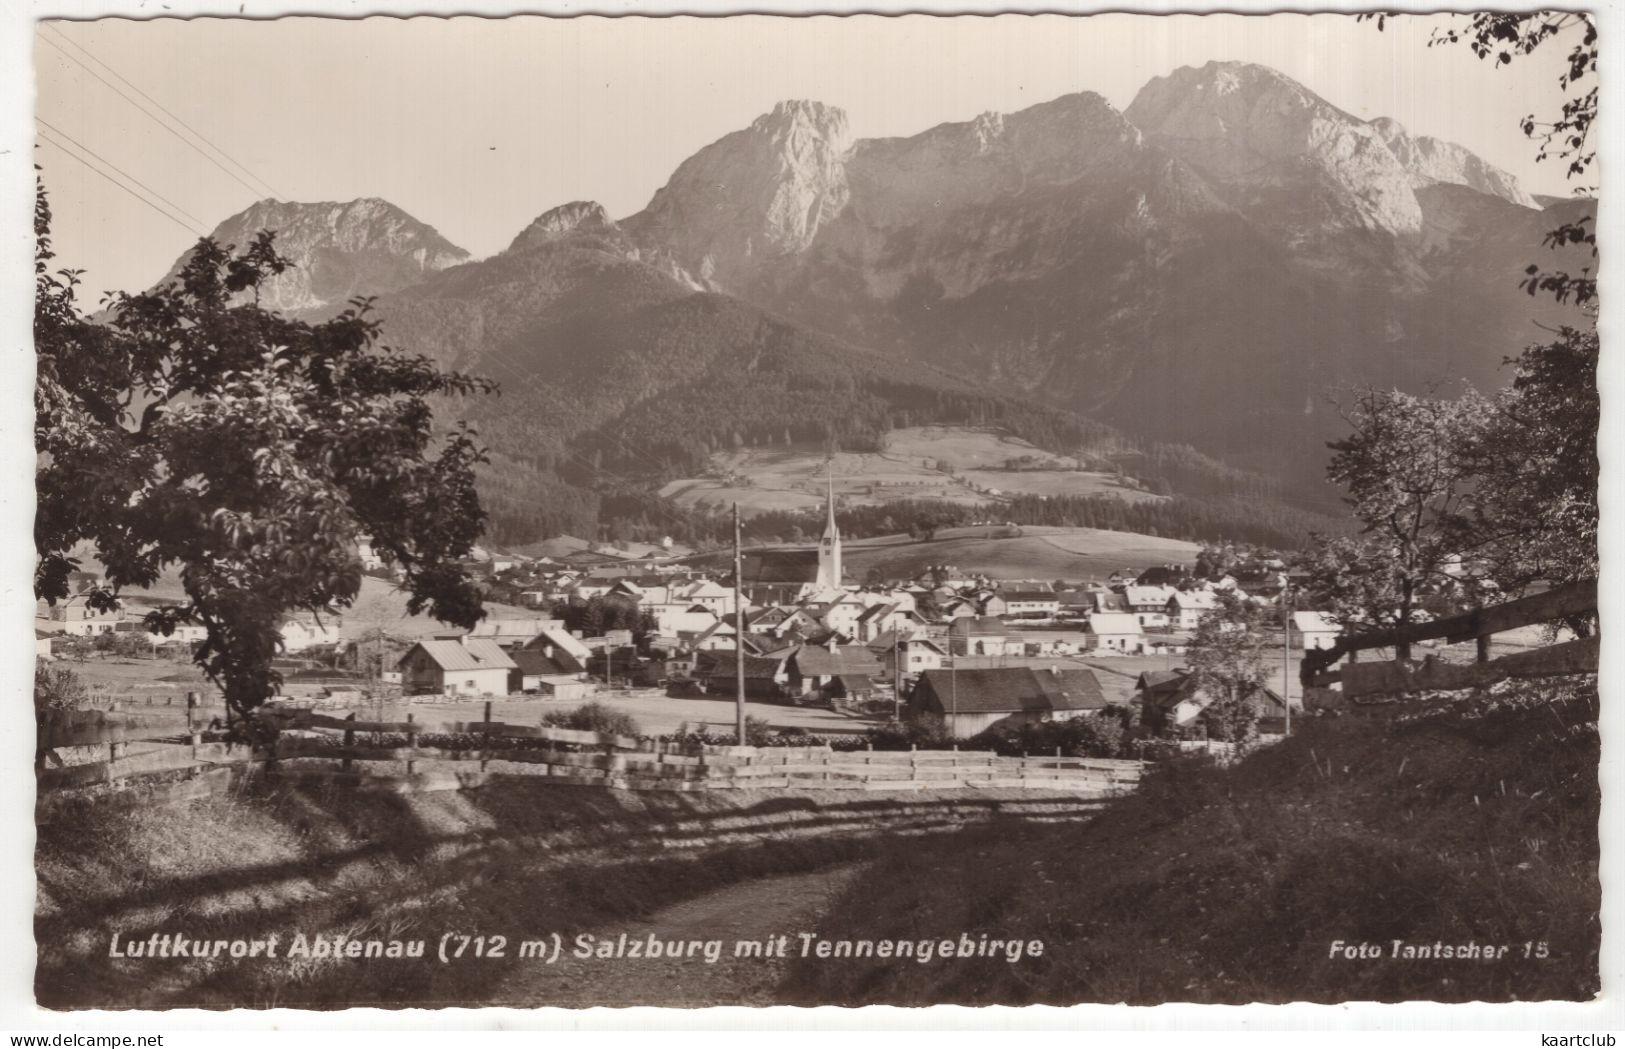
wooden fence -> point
(1569, 601)
(460, 755)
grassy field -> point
(1232, 885)
(1039, 552)
(954, 464)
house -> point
(1163, 575)
(832, 670)
(557, 642)
(75, 617)
(455, 665)
(1314, 630)
(916, 652)
(992, 605)
(715, 596)
(714, 638)
(982, 636)
(302, 632)
(1172, 703)
(886, 619)
(766, 677)
(674, 617)
(842, 615)
(1187, 607)
(1117, 632)
(512, 633)
(546, 672)
(1148, 604)
(973, 701)
(1110, 601)
(1033, 604)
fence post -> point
(115, 751)
(349, 742)
(411, 745)
(485, 737)
(1484, 648)
(192, 734)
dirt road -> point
(750, 911)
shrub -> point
(57, 688)
(593, 717)
(915, 730)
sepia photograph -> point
(815, 510)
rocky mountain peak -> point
(339, 250)
(1431, 160)
(764, 191)
(585, 215)
(1252, 128)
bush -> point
(593, 717)
(915, 730)
(57, 688)
(758, 732)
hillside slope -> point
(1231, 886)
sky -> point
(475, 126)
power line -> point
(133, 87)
(63, 134)
(149, 114)
(69, 153)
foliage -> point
(1227, 660)
(1407, 469)
(604, 612)
(57, 688)
(1533, 512)
(1100, 735)
(593, 717)
(196, 429)
(925, 731)
(759, 732)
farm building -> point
(456, 665)
(833, 670)
(973, 701)
(982, 636)
(1172, 703)
(546, 673)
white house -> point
(842, 615)
(1187, 607)
(714, 596)
(916, 652)
(1115, 632)
(455, 666)
(74, 617)
(1031, 603)
(305, 632)
(1149, 604)
(1315, 630)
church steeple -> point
(829, 545)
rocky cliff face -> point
(339, 250)
(754, 195)
(1432, 161)
(1278, 150)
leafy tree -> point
(1533, 514)
(1228, 661)
(196, 429)
(1406, 468)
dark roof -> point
(535, 662)
(1162, 575)
(720, 663)
(815, 661)
(988, 690)
(1073, 689)
(977, 626)
(1031, 595)
(855, 683)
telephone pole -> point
(739, 637)
(1286, 657)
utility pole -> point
(1286, 658)
(897, 675)
(739, 636)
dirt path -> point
(754, 910)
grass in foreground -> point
(1231, 885)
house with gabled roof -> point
(455, 665)
(1187, 607)
(833, 670)
(973, 701)
(1114, 633)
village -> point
(643, 629)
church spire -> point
(829, 545)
